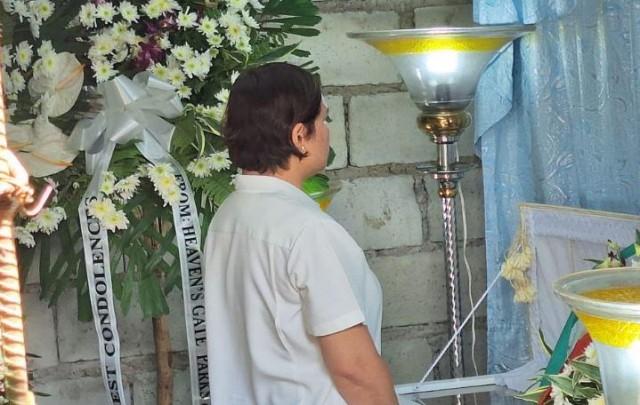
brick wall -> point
(390, 209)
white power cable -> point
(469, 279)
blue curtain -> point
(557, 121)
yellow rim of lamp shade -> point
(417, 45)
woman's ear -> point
(298, 136)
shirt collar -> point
(271, 184)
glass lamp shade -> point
(607, 302)
(441, 66)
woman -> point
(286, 286)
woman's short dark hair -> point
(264, 105)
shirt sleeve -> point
(317, 269)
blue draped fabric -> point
(557, 121)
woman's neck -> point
(286, 175)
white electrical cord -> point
(469, 280)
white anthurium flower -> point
(61, 87)
(42, 148)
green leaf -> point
(304, 32)
(559, 356)
(152, 298)
(588, 370)
(127, 292)
(276, 53)
(565, 385)
(304, 20)
(300, 53)
(532, 395)
(290, 7)
(548, 349)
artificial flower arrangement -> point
(572, 377)
(56, 58)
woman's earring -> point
(303, 150)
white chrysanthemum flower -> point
(17, 81)
(229, 18)
(243, 45)
(88, 15)
(237, 4)
(108, 183)
(25, 237)
(223, 96)
(8, 5)
(167, 5)
(46, 48)
(236, 32)
(215, 40)
(164, 42)
(218, 112)
(184, 91)
(176, 77)
(42, 9)
(23, 55)
(100, 208)
(103, 44)
(48, 64)
(60, 212)
(208, 26)
(167, 186)
(219, 161)
(182, 52)
(7, 82)
(7, 60)
(234, 76)
(105, 12)
(154, 172)
(118, 31)
(160, 71)
(187, 19)
(197, 66)
(256, 4)
(31, 226)
(248, 20)
(129, 12)
(103, 70)
(152, 9)
(115, 220)
(34, 26)
(47, 220)
(200, 167)
(128, 186)
(130, 38)
(21, 8)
